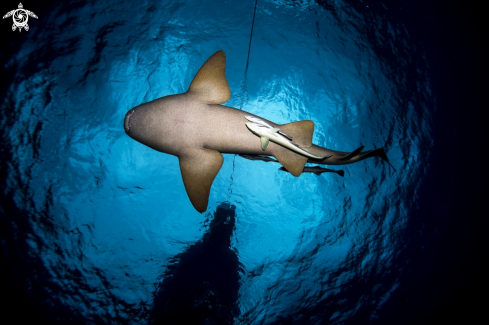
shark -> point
(197, 128)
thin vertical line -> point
(251, 37)
(244, 88)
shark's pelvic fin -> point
(352, 154)
(210, 85)
(302, 133)
(199, 168)
(264, 142)
(291, 160)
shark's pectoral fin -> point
(264, 142)
(210, 85)
(199, 167)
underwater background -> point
(96, 228)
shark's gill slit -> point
(244, 89)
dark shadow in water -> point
(201, 285)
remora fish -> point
(318, 170)
(259, 157)
(196, 128)
(315, 169)
(261, 122)
(267, 134)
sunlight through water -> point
(107, 215)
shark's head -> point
(149, 124)
(135, 124)
(127, 122)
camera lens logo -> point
(20, 17)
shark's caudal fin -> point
(199, 167)
(352, 154)
(380, 152)
(210, 85)
(301, 132)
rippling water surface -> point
(102, 226)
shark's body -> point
(194, 127)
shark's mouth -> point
(127, 120)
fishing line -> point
(244, 94)
(249, 46)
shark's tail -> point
(380, 152)
(352, 154)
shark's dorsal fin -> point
(199, 167)
(302, 133)
(264, 142)
(210, 85)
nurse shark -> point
(196, 128)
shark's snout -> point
(127, 121)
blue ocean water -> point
(98, 228)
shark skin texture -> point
(196, 128)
